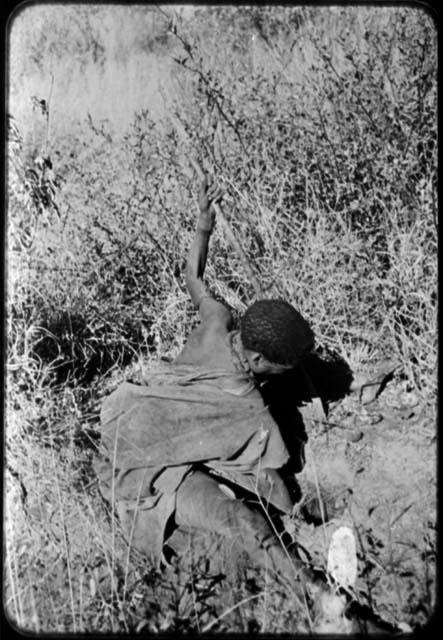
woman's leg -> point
(202, 504)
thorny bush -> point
(324, 136)
(321, 124)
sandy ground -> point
(385, 452)
(378, 459)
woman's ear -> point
(257, 362)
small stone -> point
(92, 587)
(354, 436)
(408, 399)
(342, 557)
(332, 606)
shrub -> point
(320, 122)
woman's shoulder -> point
(208, 344)
(214, 313)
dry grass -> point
(322, 127)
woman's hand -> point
(209, 194)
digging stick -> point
(231, 236)
(238, 248)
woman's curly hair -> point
(277, 331)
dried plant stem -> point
(230, 610)
(238, 248)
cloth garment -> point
(203, 503)
(153, 434)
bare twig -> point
(230, 610)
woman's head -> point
(277, 332)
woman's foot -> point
(332, 503)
